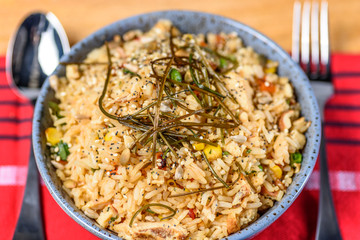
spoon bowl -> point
(34, 52)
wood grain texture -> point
(273, 18)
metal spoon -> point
(33, 53)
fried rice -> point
(203, 180)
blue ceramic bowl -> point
(187, 22)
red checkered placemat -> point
(298, 222)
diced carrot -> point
(63, 162)
(266, 86)
(203, 44)
(219, 40)
(192, 213)
(158, 155)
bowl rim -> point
(270, 216)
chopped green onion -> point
(55, 109)
(226, 153)
(223, 63)
(175, 75)
(248, 151)
(127, 71)
(295, 158)
(261, 167)
(63, 150)
(112, 219)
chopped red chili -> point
(113, 172)
(159, 155)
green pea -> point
(63, 150)
(175, 75)
(295, 158)
(223, 63)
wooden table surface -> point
(273, 18)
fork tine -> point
(305, 36)
(324, 37)
(315, 41)
(295, 52)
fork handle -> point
(327, 225)
(29, 225)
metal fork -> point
(311, 49)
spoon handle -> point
(29, 225)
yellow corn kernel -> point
(270, 70)
(212, 152)
(271, 66)
(108, 136)
(188, 37)
(277, 171)
(53, 136)
(198, 146)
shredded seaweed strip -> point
(166, 131)
(147, 206)
(213, 171)
(159, 89)
(107, 80)
(158, 127)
